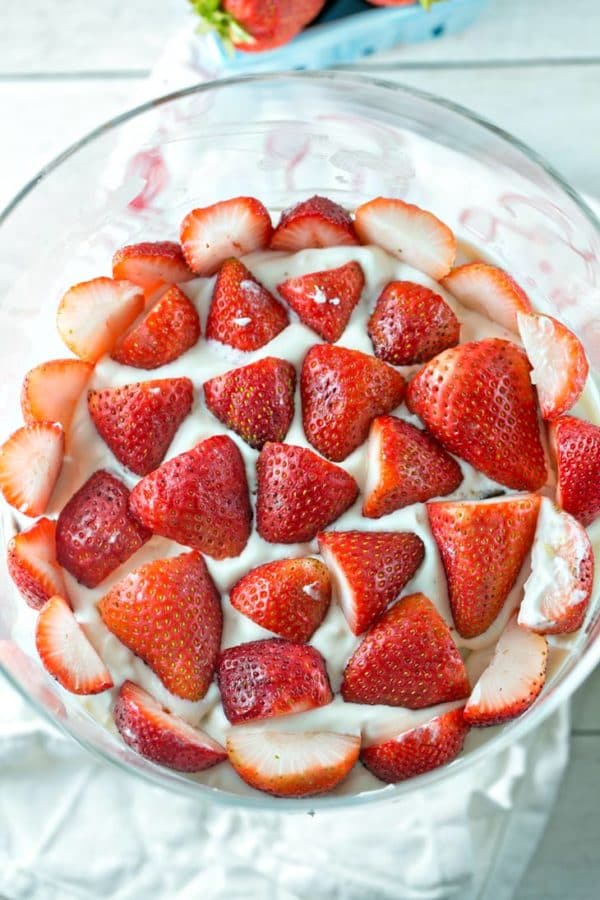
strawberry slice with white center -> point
(30, 463)
(490, 291)
(324, 301)
(316, 222)
(559, 588)
(560, 367)
(513, 679)
(161, 736)
(292, 764)
(151, 264)
(32, 565)
(65, 651)
(576, 447)
(211, 234)
(414, 235)
(52, 389)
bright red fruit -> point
(576, 447)
(30, 463)
(254, 26)
(32, 565)
(167, 331)
(489, 291)
(151, 264)
(324, 301)
(211, 234)
(317, 222)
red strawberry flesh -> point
(576, 447)
(316, 222)
(167, 331)
(324, 301)
(32, 565)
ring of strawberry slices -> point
(486, 403)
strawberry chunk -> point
(324, 301)
(52, 389)
(32, 565)
(30, 463)
(316, 222)
(489, 291)
(166, 332)
(151, 264)
(576, 447)
(211, 234)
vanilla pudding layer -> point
(86, 453)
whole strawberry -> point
(256, 25)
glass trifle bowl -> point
(283, 138)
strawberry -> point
(51, 390)
(168, 612)
(289, 597)
(94, 314)
(253, 25)
(167, 331)
(32, 565)
(559, 588)
(199, 498)
(139, 421)
(95, 532)
(418, 749)
(560, 367)
(256, 401)
(489, 291)
(405, 465)
(478, 400)
(30, 463)
(324, 301)
(369, 570)
(161, 736)
(576, 448)
(211, 234)
(292, 764)
(317, 222)
(299, 493)
(408, 658)
(268, 678)
(342, 392)
(513, 679)
(483, 545)
(151, 264)
(415, 236)
(65, 651)
(411, 324)
(243, 314)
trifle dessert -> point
(310, 507)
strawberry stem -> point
(213, 18)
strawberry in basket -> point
(256, 25)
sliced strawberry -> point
(52, 389)
(513, 679)
(299, 493)
(151, 264)
(414, 235)
(161, 736)
(405, 465)
(489, 291)
(408, 658)
(256, 401)
(211, 234)
(32, 565)
(168, 612)
(65, 651)
(94, 314)
(560, 367)
(95, 532)
(369, 570)
(342, 392)
(167, 331)
(243, 314)
(139, 421)
(316, 222)
(576, 447)
(324, 301)
(483, 544)
(289, 597)
(417, 750)
(478, 400)
(559, 588)
(30, 463)
(199, 498)
(269, 678)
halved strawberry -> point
(560, 367)
(168, 612)
(51, 390)
(324, 301)
(369, 570)
(167, 331)
(316, 222)
(65, 651)
(414, 235)
(483, 544)
(408, 658)
(418, 749)
(151, 264)
(256, 401)
(139, 421)
(161, 736)
(243, 314)
(299, 493)
(95, 532)
(268, 678)
(559, 588)
(93, 315)
(576, 448)
(289, 597)
(405, 465)
(30, 463)
(478, 400)
(32, 565)
(513, 679)
(211, 234)
(342, 392)
(490, 291)
(199, 498)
